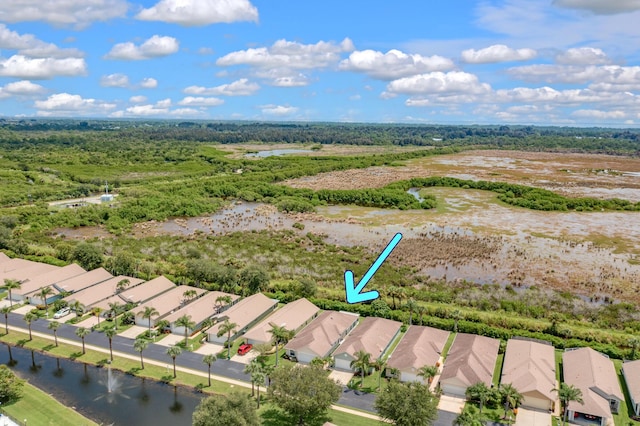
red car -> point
(244, 348)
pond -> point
(85, 388)
(277, 152)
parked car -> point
(62, 313)
(244, 348)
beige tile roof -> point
(3, 257)
(471, 359)
(82, 281)
(244, 312)
(34, 284)
(587, 369)
(373, 335)
(201, 308)
(632, 374)
(21, 269)
(322, 333)
(90, 296)
(168, 302)
(530, 367)
(147, 290)
(291, 316)
(419, 346)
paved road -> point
(222, 367)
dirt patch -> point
(239, 150)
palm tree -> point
(412, 306)
(361, 362)
(44, 293)
(5, 310)
(10, 284)
(258, 377)
(227, 327)
(209, 359)
(53, 325)
(251, 368)
(634, 343)
(379, 365)
(428, 372)
(511, 397)
(189, 295)
(456, 315)
(566, 394)
(393, 292)
(110, 332)
(122, 284)
(173, 352)
(222, 300)
(140, 345)
(114, 309)
(97, 311)
(479, 392)
(280, 335)
(421, 311)
(30, 317)
(149, 311)
(77, 307)
(470, 416)
(82, 332)
(185, 321)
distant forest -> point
(575, 139)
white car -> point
(62, 313)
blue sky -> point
(545, 62)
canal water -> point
(132, 400)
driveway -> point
(527, 417)
(451, 404)
(341, 377)
(133, 331)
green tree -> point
(114, 311)
(254, 278)
(280, 335)
(456, 315)
(122, 285)
(470, 416)
(110, 332)
(227, 327)
(149, 311)
(361, 363)
(258, 377)
(189, 295)
(407, 404)
(77, 308)
(54, 325)
(30, 317)
(253, 366)
(379, 365)
(11, 285)
(510, 397)
(412, 306)
(221, 301)
(5, 310)
(421, 310)
(96, 311)
(82, 332)
(234, 409)
(479, 392)
(305, 393)
(140, 345)
(566, 394)
(88, 256)
(10, 385)
(209, 359)
(634, 343)
(173, 352)
(428, 372)
(185, 321)
(44, 294)
(122, 264)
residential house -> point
(140, 293)
(471, 360)
(292, 316)
(244, 314)
(594, 374)
(530, 367)
(73, 284)
(101, 291)
(31, 286)
(165, 304)
(419, 347)
(321, 336)
(3, 257)
(631, 373)
(21, 269)
(199, 310)
(373, 335)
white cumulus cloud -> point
(279, 110)
(21, 88)
(114, 80)
(30, 45)
(393, 64)
(240, 87)
(601, 7)
(156, 46)
(200, 12)
(20, 66)
(497, 53)
(599, 115)
(149, 83)
(201, 101)
(139, 99)
(64, 104)
(77, 13)
(438, 83)
(582, 56)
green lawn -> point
(497, 372)
(48, 412)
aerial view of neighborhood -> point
(247, 212)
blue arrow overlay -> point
(354, 292)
